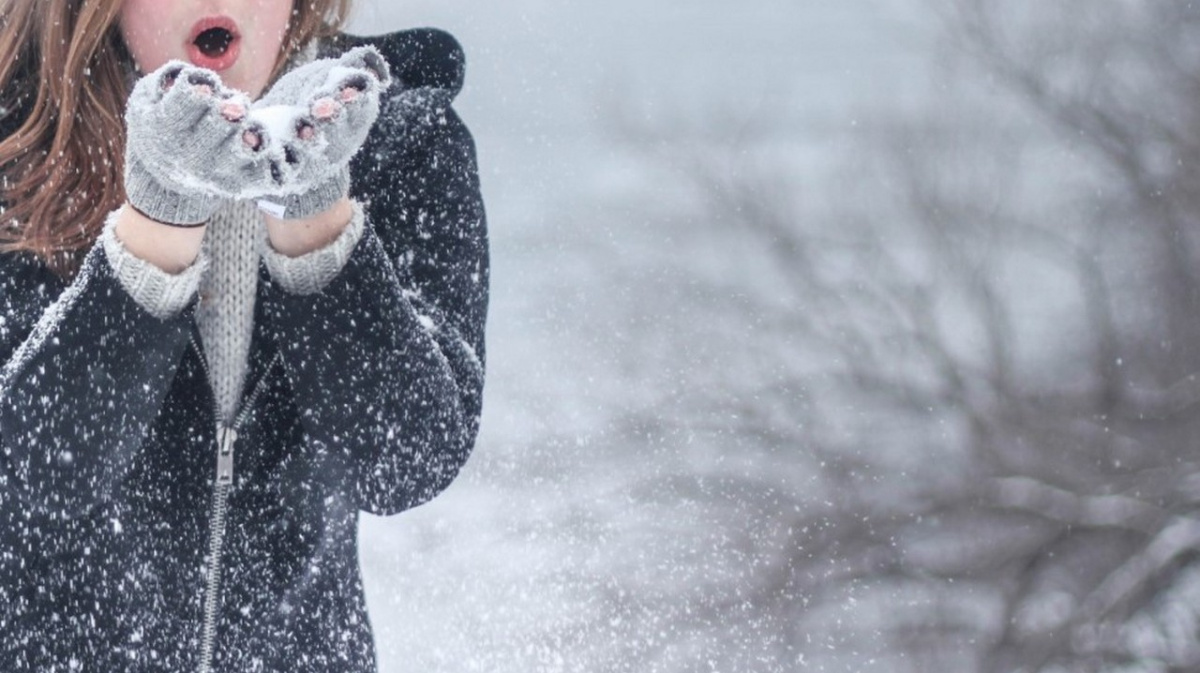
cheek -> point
(271, 19)
(262, 38)
(143, 27)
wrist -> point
(170, 248)
(293, 238)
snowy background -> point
(817, 342)
(514, 567)
(508, 569)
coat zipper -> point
(226, 437)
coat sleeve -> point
(85, 370)
(386, 361)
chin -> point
(248, 84)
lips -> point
(214, 43)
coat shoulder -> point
(418, 57)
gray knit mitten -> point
(312, 121)
(187, 148)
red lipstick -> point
(214, 43)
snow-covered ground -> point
(506, 571)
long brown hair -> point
(63, 85)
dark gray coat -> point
(365, 396)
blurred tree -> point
(939, 412)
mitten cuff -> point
(311, 272)
(316, 200)
(162, 294)
(165, 205)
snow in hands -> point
(191, 135)
(339, 101)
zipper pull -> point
(225, 439)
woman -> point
(233, 314)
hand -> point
(189, 147)
(311, 123)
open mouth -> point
(214, 43)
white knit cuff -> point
(162, 294)
(311, 272)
